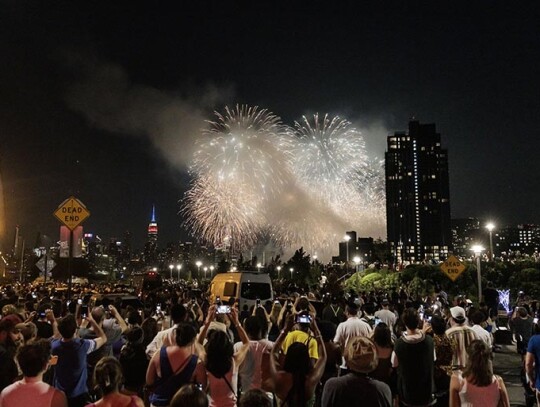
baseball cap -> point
(458, 314)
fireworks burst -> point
(254, 176)
(327, 159)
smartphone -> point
(428, 318)
(41, 315)
(223, 309)
(377, 321)
(276, 301)
(34, 296)
(258, 302)
(421, 315)
(84, 311)
(158, 308)
(218, 300)
(79, 301)
(303, 319)
(535, 320)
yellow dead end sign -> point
(72, 213)
(453, 267)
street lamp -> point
(171, 268)
(211, 271)
(198, 264)
(357, 261)
(477, 249)
(278, 268)
(178, 268)
(259, 265)
(292, 271)
(490, 226)
(347, 238)
(205, 270)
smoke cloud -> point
(108, 99)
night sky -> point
(102, 100)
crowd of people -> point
(175, 348)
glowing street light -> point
(171, 268)
(198, 264)
(347, 238)
(211, 271)
(259, 265)
(357, 261)
(205, 270)
(477, 249)
(490, 226)
(292, 271)
(178, 268)
(278, 268)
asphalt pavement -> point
(507, 364)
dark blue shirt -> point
(70, 372)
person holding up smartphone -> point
(221, 361)
(295, 382)
(303, 334)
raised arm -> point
(209, 318)
(241, 354)
(101, 337)
(277, 345)
(50, 317)
(318, 369)
(118, 317)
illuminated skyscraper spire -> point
(153, 220)
(150, 247)
(152, 226)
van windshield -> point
(252, 291)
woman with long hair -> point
(108, 380)
(220, 360)
(477, 386)
(295, 384)
(263, 317)
(274, 316)
(150, 330)
(134, 362)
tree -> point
(300, 262)
(223, 266)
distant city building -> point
(417, 195)
(523, 238)
(355, 247)
(150, 247)
(467, 232)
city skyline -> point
(100, 101)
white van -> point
(246, 286)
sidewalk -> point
(507, 364)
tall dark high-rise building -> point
(417, 194)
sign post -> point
(453, 267)
(71, 213)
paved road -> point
(506, 363)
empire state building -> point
(150, 248)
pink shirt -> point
(471, 395)
(27, 392)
